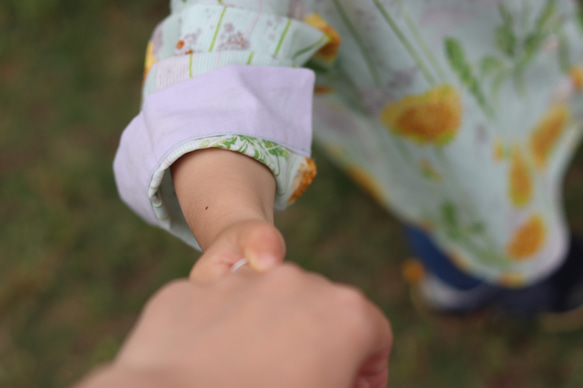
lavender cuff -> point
(269, 103)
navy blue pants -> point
(436, 262)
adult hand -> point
(285, 328)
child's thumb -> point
(263, 246)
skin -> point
(269, 324)
(285, 328)
(228, 227)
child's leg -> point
(437, 263)
(448, 288)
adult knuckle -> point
(166, 293)
(173, 288)
(352, 297)
(354, 307)
(287, 274)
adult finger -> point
(374, 370)
(372, 339)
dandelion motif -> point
(528, 239)
(431, 118)
(363, 179)
(329, 51)
(547, 134)
(512, 280)
(150, 59)
(576, 75)
(499, 151)
(520, 183)
(304, 177)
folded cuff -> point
(262, 112)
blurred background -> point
(76, 265)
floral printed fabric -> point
(250, 107)
(281, 161)
(180, 115)
(460, 116)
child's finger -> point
(213, 265)
(259, 242)
(263, 245)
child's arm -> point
(227, 199)
(203, 96)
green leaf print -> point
(564, 54)
(275, 149)
(229, 143)
(449, 213)
(517, 51)
(264, 151)
(278, 151)
(506, 15)
(506, 40)
(457, 59)
(505, 37)
(547, 17)
(454, 227)
(450, 219)
(491, 65)
(498, 82)
(478, 227)
(467, 235)
(580, 19)
(546, 24)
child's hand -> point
(227, 200)
(258, 241)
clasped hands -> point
(284, 328)
(268, 325)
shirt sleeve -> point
(226, 77)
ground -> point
(76, 265)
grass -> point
(76, 265)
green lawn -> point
(76, 265)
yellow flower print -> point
(426, 226)
(459, 260)
(335, 150)
(512, 280)
(528, 239)
(413, 271)
(499, 151)
(363, 179)
(150, 59)
(329, 52)
(323, 89)
(576, 75)
(547, 133)
(429, 171)
(520, 183)
(431, 118)
(304, 177)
